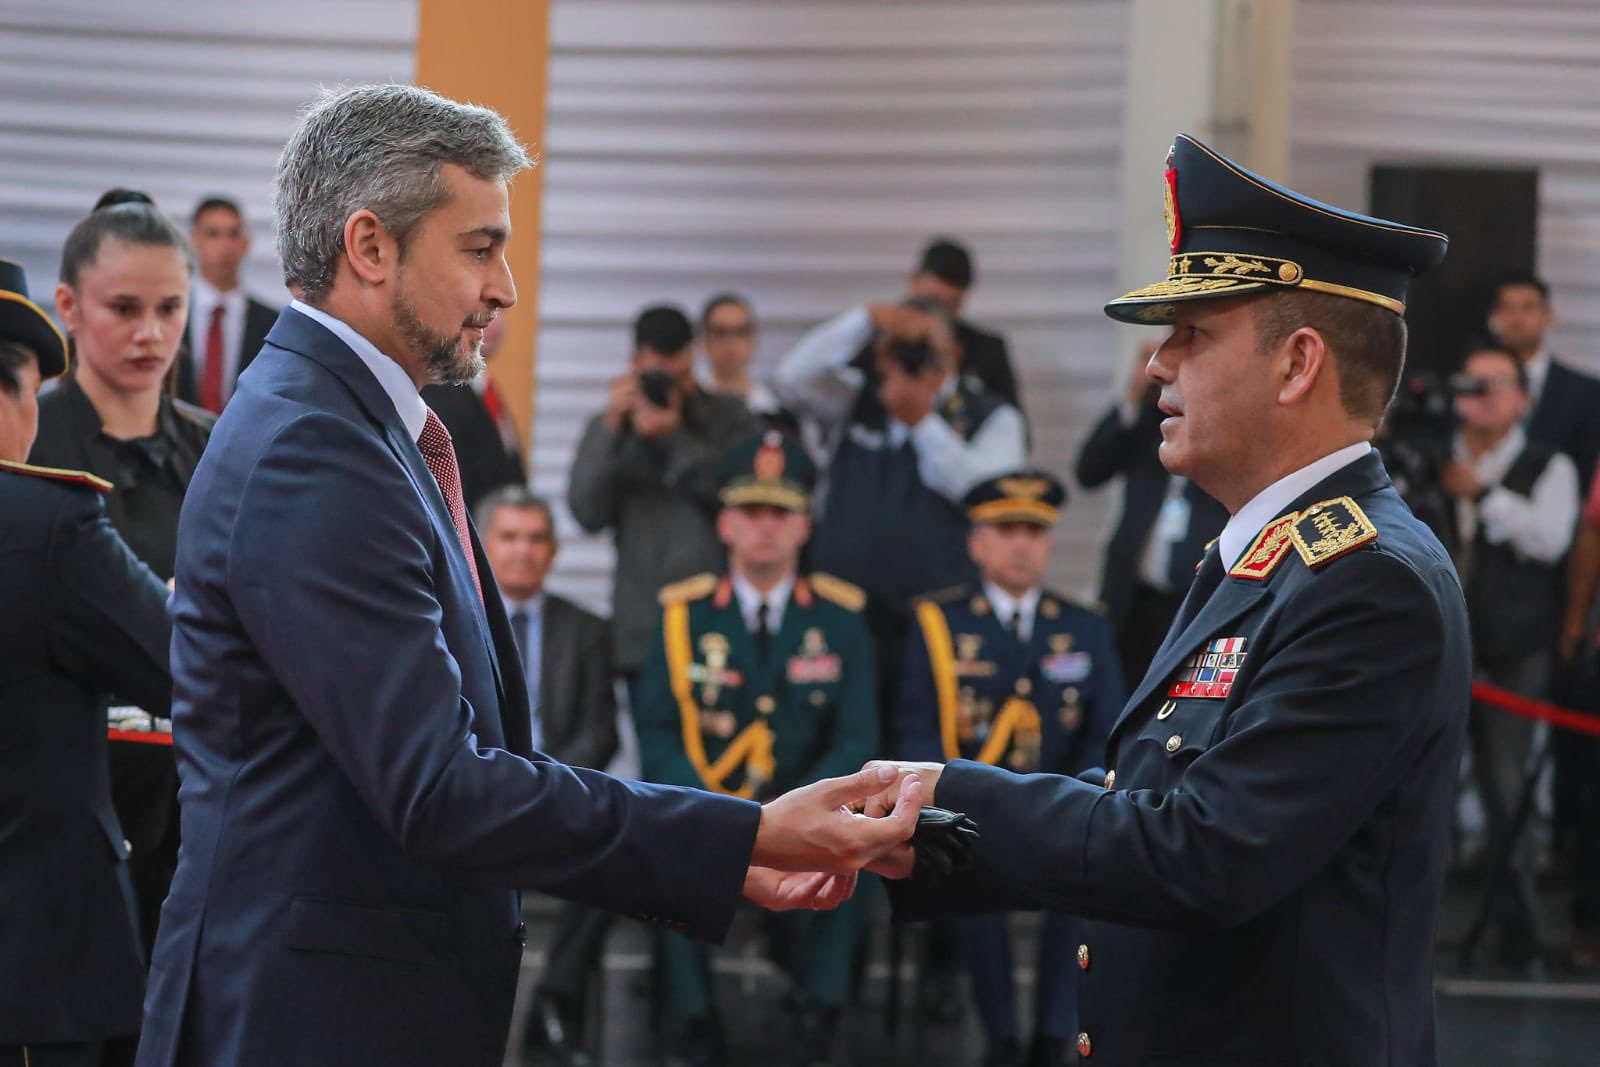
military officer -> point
(80, 616)
(1013, 675)
(1262, 862)
(761, 679)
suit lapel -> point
(297, 333)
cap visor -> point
(1156, 305)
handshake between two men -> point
(814, 841)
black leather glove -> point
(944, 842)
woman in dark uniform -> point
(79, 616)
(124, 297)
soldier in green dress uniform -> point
(760, 680)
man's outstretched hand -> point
(827, 827)
(789, 890)
(899, 861)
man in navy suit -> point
(360, 795)
(1260, 866)
(1564, 402)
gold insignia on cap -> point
(770, 462)
(1024, 488)
(1324, 532)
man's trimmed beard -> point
(446, 361)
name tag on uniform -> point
(1210, 672)
(1066, 668)
(815, 670)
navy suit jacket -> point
(1567, 417)
(359, 799)
(1263, 872)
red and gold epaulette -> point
(58, 474)
(1267, 550)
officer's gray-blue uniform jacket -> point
(1262, 863)
(970, 689)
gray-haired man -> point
(360, 794)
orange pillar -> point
(494, 53)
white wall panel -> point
(802, 153)
(1467, 82)
(179, 98)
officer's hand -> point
(898, 862)
(789, 890)
(817, 828)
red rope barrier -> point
(1539, 710)
(144, 737)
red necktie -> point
(211, 377)
(440, 455)
(496, 408)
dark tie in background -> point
(440, 456)
(519, 631)
(763, 632)
(1205, 583)
(211, 375)
(1015, 625)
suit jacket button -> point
(1111, 779)
(1083, 957)
(1084, 1046)
(1174, 742)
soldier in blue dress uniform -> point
(1014, 675)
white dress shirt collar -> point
(1005, 605)
(1275, 498)
(751, 599)
(202, 294)
(408, 403)
(534, 605)
(1538, 368)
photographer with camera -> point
(647, 469)
(905, 440)
(1516, 502)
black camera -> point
(657, 387)
(913, 356)
(1417, 439)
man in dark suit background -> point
(226, 325)
(485, 439)
(566, 654)
(1564, 408)
(360, 794)
(1165, 524)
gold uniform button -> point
(1167, 709)
(1111, 779)
(1174, 742)
(818, 699)
(1024, 687)
(1085, 1046)
(766, 705)
(1083, 957)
